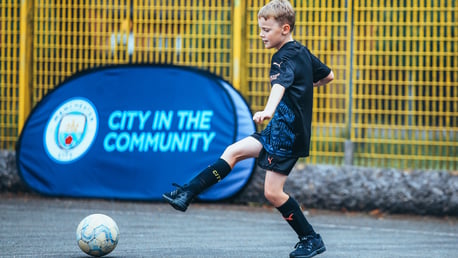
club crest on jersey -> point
(71, 130)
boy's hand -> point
(276, 93)
(260, 116)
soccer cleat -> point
(308, 246)
(179, 198)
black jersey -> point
(295, 68)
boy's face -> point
(272, 33)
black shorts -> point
(275, 163)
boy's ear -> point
(286, 28)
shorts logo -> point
(71, 130)
(269, 159)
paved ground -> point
(34, 226)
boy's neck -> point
(289, 39)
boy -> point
(293, 74)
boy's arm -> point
(325, 80)
(276, 94)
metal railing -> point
(393, 103)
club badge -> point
(71, 130)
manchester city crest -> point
(71, 130)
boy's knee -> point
(230, 149)
(271, 196)
(267, 195)
(231, 152)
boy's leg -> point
(287, 205)
(246, 148)
(182, 197)
(310, 243)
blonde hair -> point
(280, 10)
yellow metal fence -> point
(9, 72)
(405, 83)
(393, 102)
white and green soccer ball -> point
(97, 235)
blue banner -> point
(129, 131)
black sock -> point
(293, 214)
(209, 176)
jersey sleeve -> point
(281, 72)
(320, 70)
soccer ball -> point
(97, 235)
